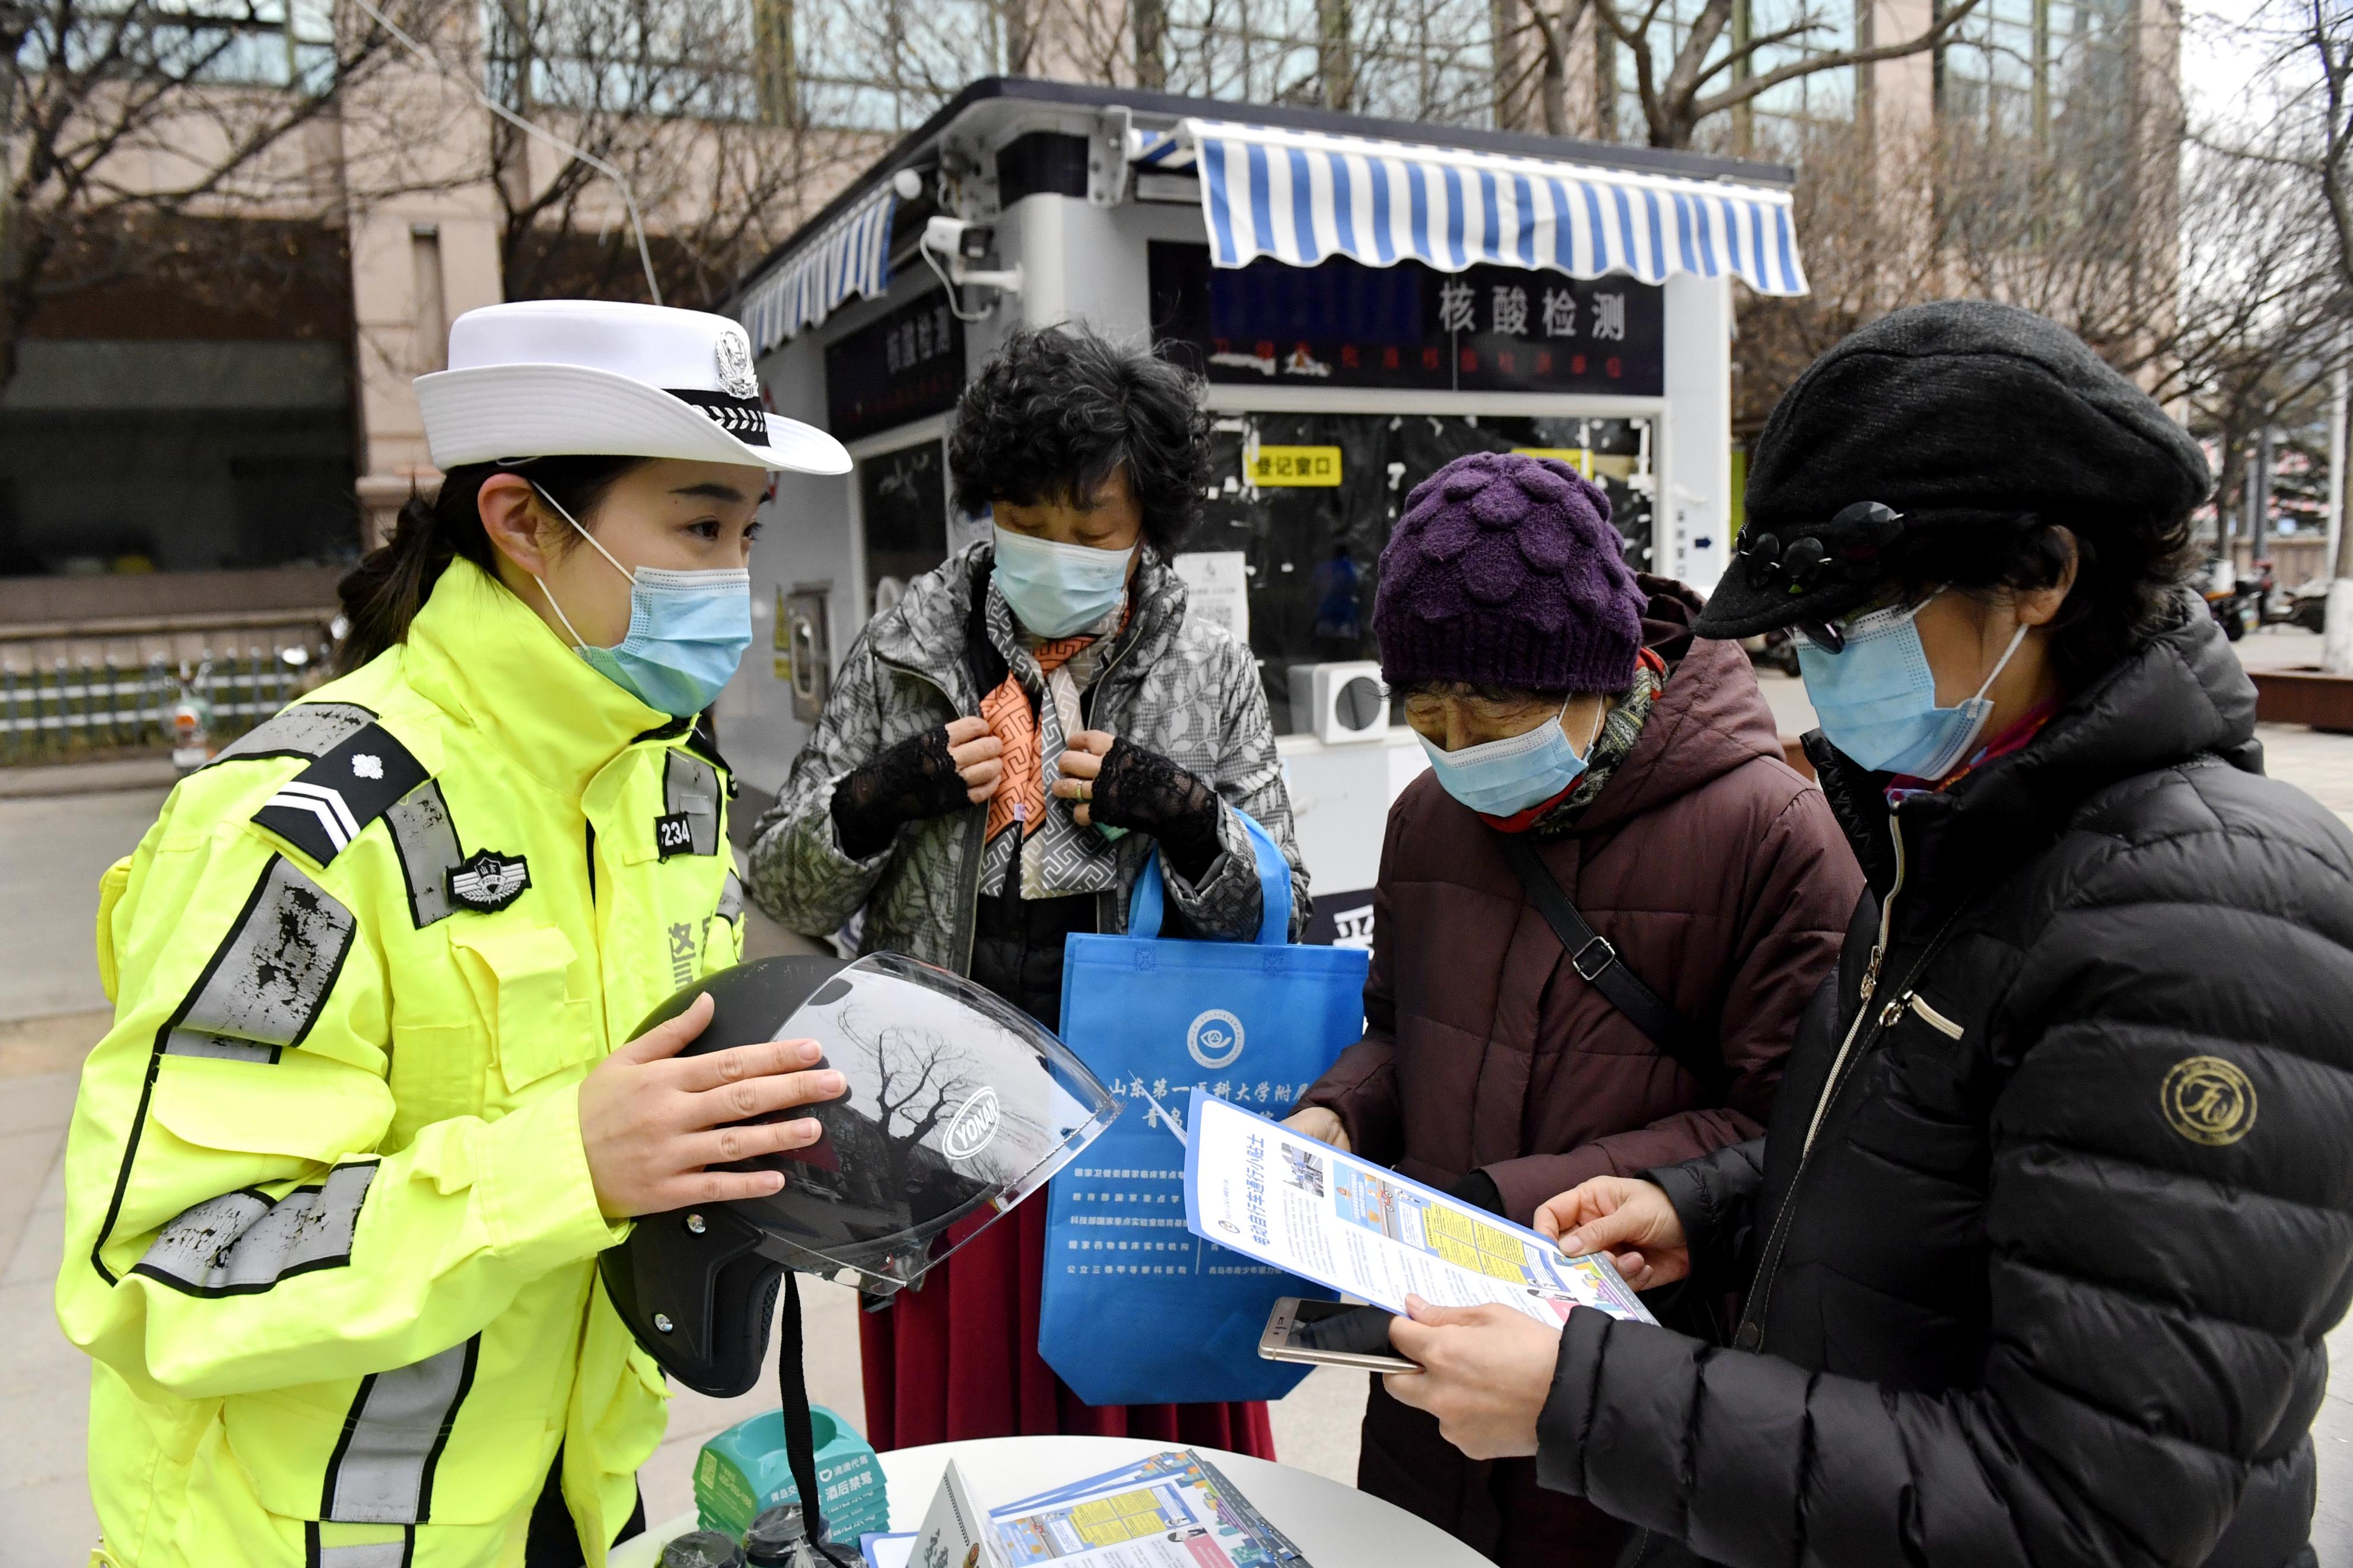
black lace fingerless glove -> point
(1145, 792)
(916, 779)
(1479, 1187)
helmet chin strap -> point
(800, 1432)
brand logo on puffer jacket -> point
(2208, 1100)
(1215, 1039)
(973, 1128)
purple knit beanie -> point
(1505, 572)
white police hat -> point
(545, 378)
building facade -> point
(228, 426)
(211, 409)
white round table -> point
(1333, 1526)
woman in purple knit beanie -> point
(1566, 711)
(1504, 573)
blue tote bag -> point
(1137, 1311)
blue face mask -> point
(1877, 698)
(1504, 778)
(688, 631)
(1057, 589)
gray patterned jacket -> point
(1181, 686)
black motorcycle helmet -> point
(957, 1105)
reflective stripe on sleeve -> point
(269, 981)
(428, 842)
(242, 1243)
(731, 900)
(691, 785)
(185, 1044)
(398, 1553)
(305, 730)
(260, 992)
(382, 1470)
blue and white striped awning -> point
(1160, 152)
(850, 256)
(1301, 196)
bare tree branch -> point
(101, 104)
(1840, 59)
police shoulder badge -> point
(2208, 1100)
(736, 372)
(489, 881)
(347, 786)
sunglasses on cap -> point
(1859, 536)
(1829, 634)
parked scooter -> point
(2266, 590)
(2235, 601)
(2308, 606)
(192, 720)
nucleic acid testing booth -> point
(1367, 300)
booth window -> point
(903, 508)
(1309, 501)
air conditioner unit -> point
(1340, 702)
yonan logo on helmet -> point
(1215, 1039)
(972, 1127)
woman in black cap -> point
(2056, 1204)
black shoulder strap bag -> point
(1598, 964)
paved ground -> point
(51, 852)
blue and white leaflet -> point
(1300, 1205)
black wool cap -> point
(1947, 414)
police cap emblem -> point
(735, 374)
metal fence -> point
(76, 691)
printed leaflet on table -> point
(1174, 1509)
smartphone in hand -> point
(1332, 1333)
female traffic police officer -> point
(340, 1172)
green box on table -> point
(744, 1469)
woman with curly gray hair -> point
(1003, 752)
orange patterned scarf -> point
(1021, 795)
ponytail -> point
(382, 596)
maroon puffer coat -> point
(1726, 885)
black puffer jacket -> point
(2051, 1286)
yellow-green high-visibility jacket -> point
(330, 1233)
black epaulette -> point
(699, 738)
(703, 741)
(322, 808)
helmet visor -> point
(958, 1107)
